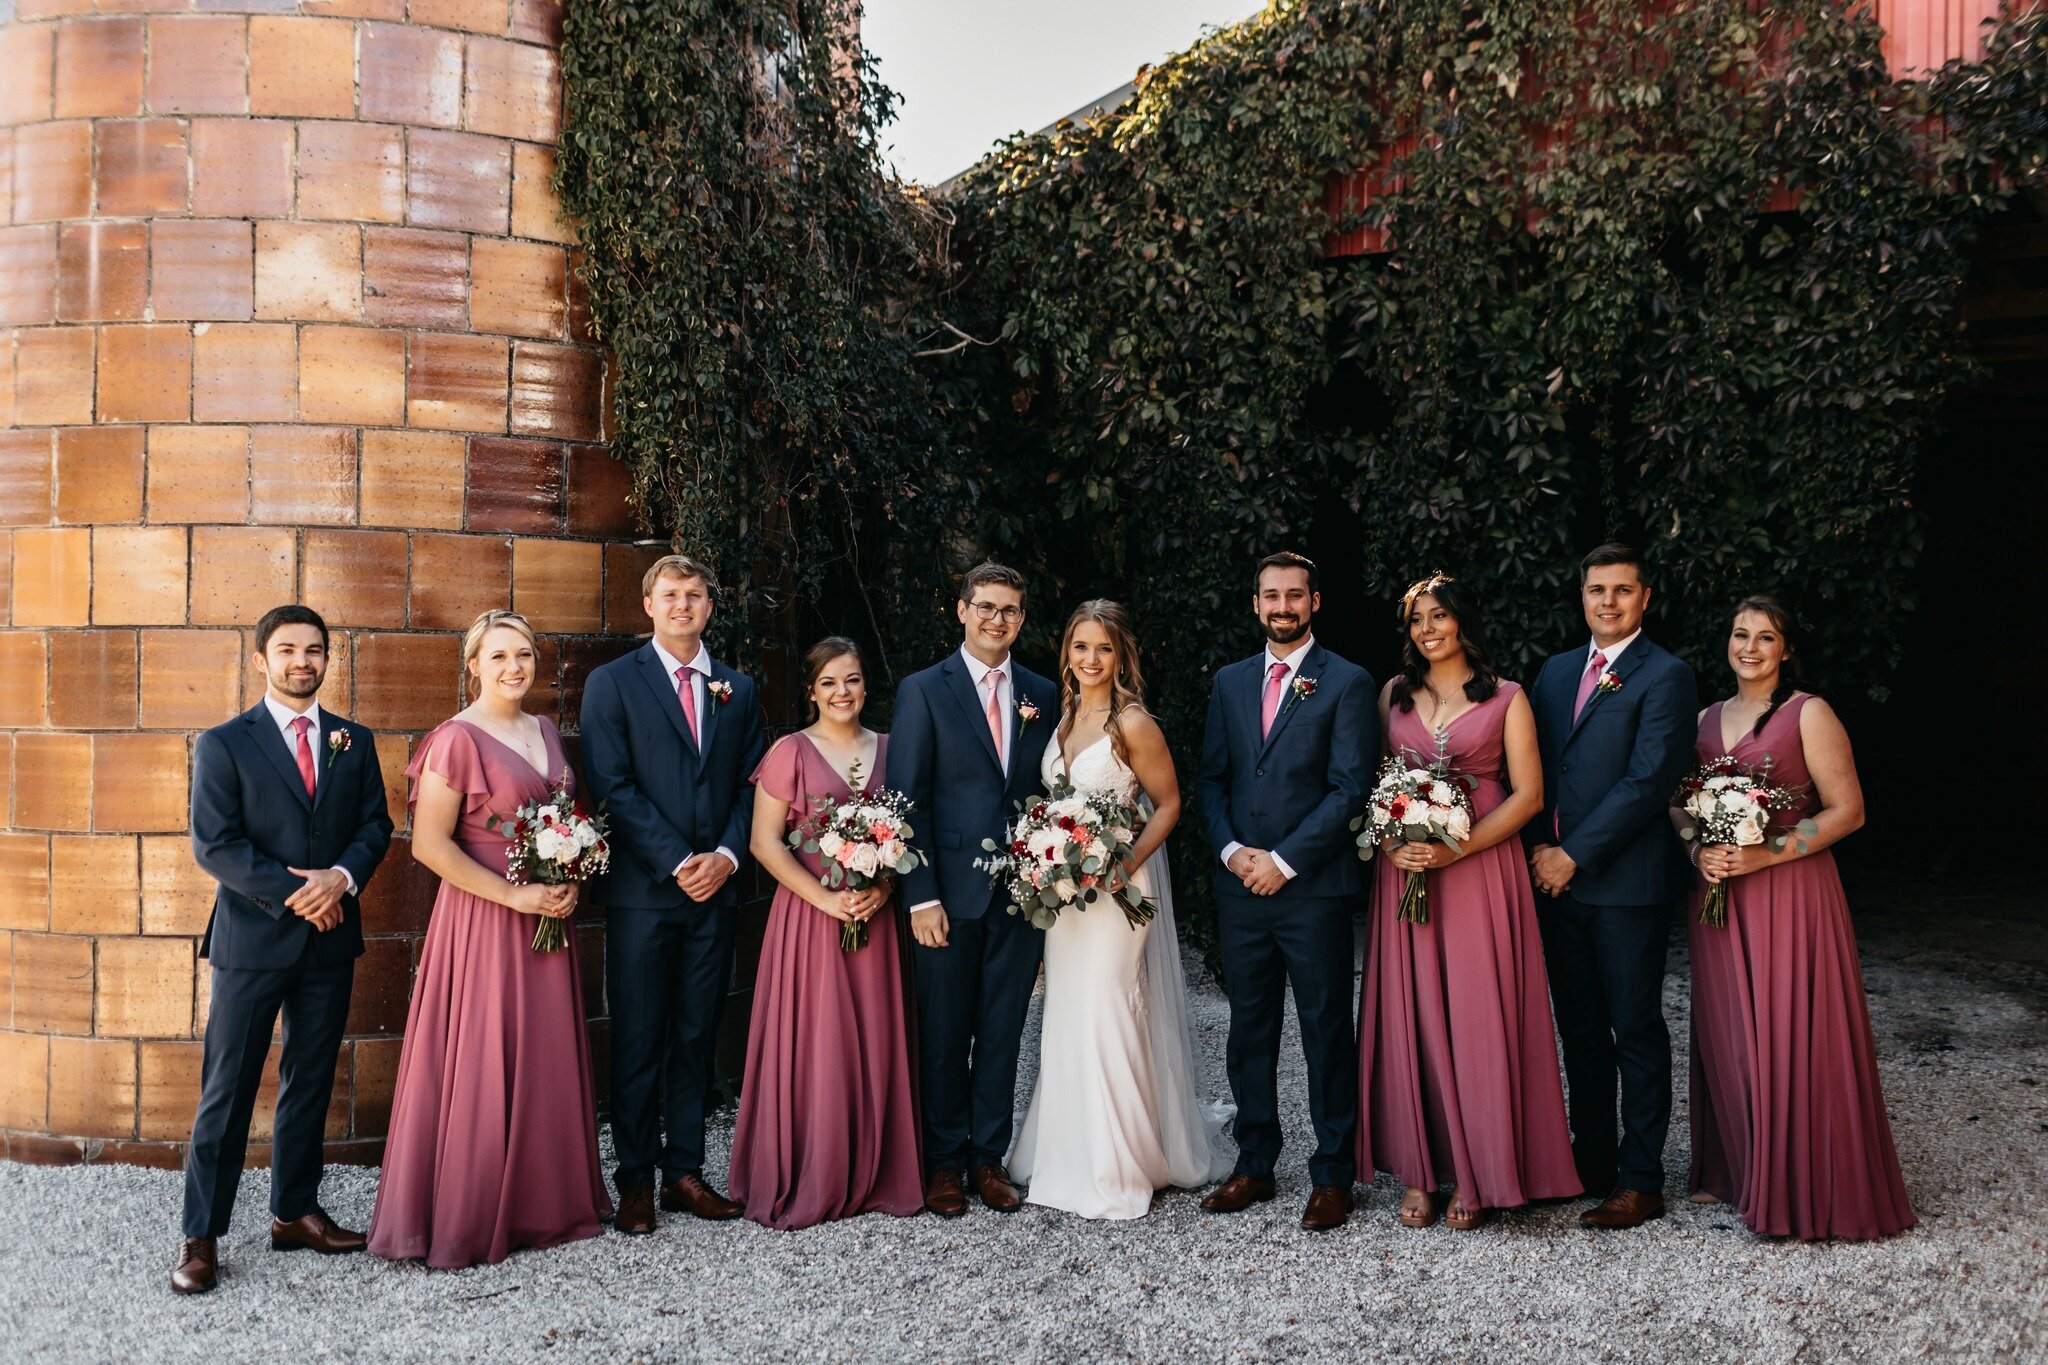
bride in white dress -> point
(1114, 1115)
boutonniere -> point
(1027, 709)
(338, 742)
(1610, 681)
(1301, 691)
(720, 690)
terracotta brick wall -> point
(287, 311)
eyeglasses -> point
(989, 611)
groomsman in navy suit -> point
(965, 746)
(671, 738)
(1287, 763)
(288, 817)
(1616, 719)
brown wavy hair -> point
(1126, 683)
(1485, 679)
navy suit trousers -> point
(972, 998)
(666, 974)
(313, 997)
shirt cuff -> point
(347, 877)
(1230, 850)
(925, 905)
(1281, 863)
(727, 854)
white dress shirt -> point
(285, 716)
(1613, 651)
(700, 697)
(1292, 663)
(1006, 692)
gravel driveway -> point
(85, 1254)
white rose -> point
(550, 813)
(553, 847)
(865, 860)
(829, 843)
(1065, 889)
(586, 834)
(1736, 802)
(1715, 784)
(892, 853)
(1458, 824)
(1750, 830)
(1441, 794)
(1046, 842)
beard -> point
(297, 687)
(1284, 635)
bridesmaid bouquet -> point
(554, 843)
(861, 842)
(1419, 802)
(1061, 853)
(1731, 802)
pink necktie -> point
(1275, 676)
(1589, 684)
(302, 725)
(688, 694)
(995, 710)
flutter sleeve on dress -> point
(778, 773)
(451, 753)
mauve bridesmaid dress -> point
(493, 1142)
(1788, 1118)
(828, 1124)
(1457, 1058)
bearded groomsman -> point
(965, 746)
(1615, 719)
(1287, 763)
(288, 816)
(671, 738)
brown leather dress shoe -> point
(1237, 1194)
(1328, 1207)
(198, 1265)
(689, 1194)
(314, 1231)
(992, 1183)
(945, 1195)
(635, 1217)
(1624, 1209)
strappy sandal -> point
(1419, 1218)
(1460, 1218)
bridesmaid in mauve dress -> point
(1457, 1059)
(828, 1124)
(1788, 1117)
(493, 1142)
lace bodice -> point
(1096, 768)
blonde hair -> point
(473, 642)
(1126, 683)
(676, 566)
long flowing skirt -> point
(1458, 1059)
(828, 1124)
(493, 1141)
(1788, 1117)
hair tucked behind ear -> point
(1781, 619)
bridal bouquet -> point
(1061, 854)
(1731, 802)
(861, 841)
(1420, 802)
(553, 843)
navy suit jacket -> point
(252, 819)
(1608, 778)
(943, 758)
(1296, 791)
(666, 797)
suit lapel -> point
(963, 691)
(707, 724)
(270, 741)
(667, 700)
(1311, 669)
(1248, 701)
(324, 758)
(1630, 662)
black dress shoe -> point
(1237, 1194)
(689, 1194)
(314, 1231)
(197, 1268)
(635, 1217)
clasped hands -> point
(1552, 868)
(1418, 857)
(1719, 862)
(855, 907)
(702, 874)
(318, 902)
(549, 902)
(1257, 870)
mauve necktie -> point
(302, 725)
(688, 694)
(1275, 676)
(1589, 683)
(995, 710)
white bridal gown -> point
(1114, 1115)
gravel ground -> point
(85, 1252)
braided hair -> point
(1780, 616)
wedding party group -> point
(1516, 852)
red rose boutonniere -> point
(1610, 681)
(1303, 689)
(720, 690)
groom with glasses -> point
(964, 746)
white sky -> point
(971, 72)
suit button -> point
(1255, 815)
(1262, 772)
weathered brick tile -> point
(557, 391)
(169, 1089)
(99, 68)
(476, 16)
(27, 477)
(309, 271)
(512, 90)
(519, 288)
(145, 988)
(92, 1087)
(304, 67)
(53, 382)
(177, 895)
(53, 983)
(558, 585)
(52, 169)
(25, 863)
(416, 279)
(515, 485)
(94, 885)
(190, 680)
(138, 576)
(357, 578)
(624, 568)
(52, 576)
(201, 473)
(412, 478)
(411, 75)
(352, 172)
(456, 383)
(244, 372)
(140, 782)
(536, 208)
(242, 168)
(99, 474)
(24, 685)
(28, 274)
(407, 682)
(352, 374)
(145, 372)
(456, 578)
(24, 1081)
(198, 64)
(303, 475)
(92, 679)
(102, 271)
(143, 167)
(600, 491)
(240, 572)
(25, 55)
(459, 180)
(202, 270)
